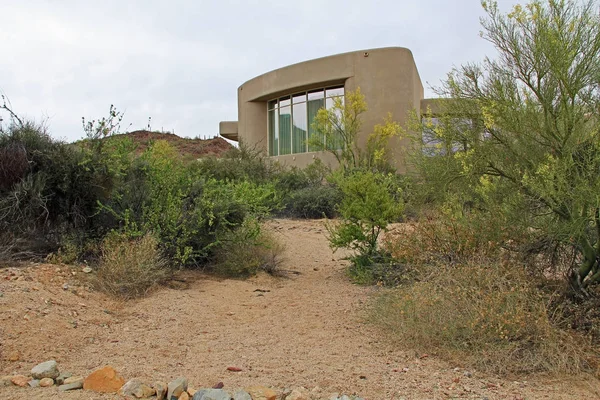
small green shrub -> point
(313, 202)
(370, 202)
(247, 250)
(129, 268)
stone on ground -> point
(211, 394)
(297, 394)
(71, 386)
(242, 395)
(20, 380)
(176, 387)
(261, 393)
(34, 383)
(46, 382)
(161, 390)
(48, 369)
(61, 378)
(104, 380)
(137, 388)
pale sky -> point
(181, 61)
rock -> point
(46, 382)
(34, 383)
(61, 378)
(48, 369)
(71, 386)
(211, 394)
(5, 381)
(176, 388)
(344, 397)
(161, 390)
(242, 395)
(261, 393)
(20, 380)
(14, 356)
(137, 388)
(297, 394)
(73, 379)
(191, 392)
(184, 396)
(65, 286)
(467, 374)
(104, 380)
(87, 270)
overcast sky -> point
(181, 61)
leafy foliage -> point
(524, 125)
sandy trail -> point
(304, 330)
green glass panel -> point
(273, 136)
(313, 108)
(299, 128)
(285, 130)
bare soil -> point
(307, 329)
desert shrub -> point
(370, 202)
(247, 250)
(238, 164)
(129, 268)
(320, 201)
(480, 314)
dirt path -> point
(305, 330)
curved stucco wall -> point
(387, 77)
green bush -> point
(129, 267)
(370, 201)
(313, 202)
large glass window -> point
(291, 117)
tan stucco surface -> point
(387, 77)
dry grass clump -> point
(248, 250)
(489, 316)
(129, 268)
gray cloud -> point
(180, 62)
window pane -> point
(299, 128)
(285, 130)
(284, 101)
(335, 92)
(299, 98)
(273, 134)
(272, 104)
(316, 94)
(313, 108)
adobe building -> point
(275, 110)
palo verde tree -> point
(527, 122)
(337, 132)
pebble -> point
(161, 390)
(241, 395)
(297, 394)
(261, 393)
(20, 380)
(61, 378)
(47, 369)
(34, 383)
(211, 394)
(46, 382)
(137, 388)
(73, 379)
(71, 386)
(176, 387)
(87, 270)
(14, 356)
